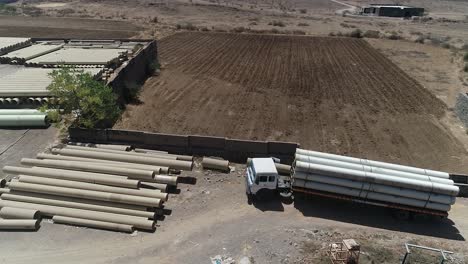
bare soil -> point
(329, 94)
(50, 27)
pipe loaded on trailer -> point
(372, 182)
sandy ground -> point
(213, 218)
(23, 143)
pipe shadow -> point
(187, 180)
(375, 216)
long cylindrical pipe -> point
(159, 186)
(215, 164)
(24, 120)
(162, 170)
(24, 93)
(80, 166)
(86, 194)
(20, 112)
(150, 151)
(365, 186)
(93, 187)
(377, 178)
(50, 210)
(379, 164)
(164, 179)
(98, 178)
(174, 164)
(103, 146)
(19, 224)
(370, 195)
(78, 205)
(161, 156)
(79, 200)
(360, 167)
(18, 213)
(92, 223)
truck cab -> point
(261, 174)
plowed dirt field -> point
(336, 95)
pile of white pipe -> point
(120, 194)
(374, 180)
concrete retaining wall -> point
(231, 149)
(461, 108)
(134, 72)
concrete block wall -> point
(231, 149)
(461, 108)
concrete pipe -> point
(78, 205)
(283, 169)
(80, 166)
(153, 185)
(49, 210)
(161, 156)
(166, 179)
(98, 178)
(93, 187)
(20, 112)
(215, 164)
(173, 164)
(2, 183)
(7, 101)
(30, 100)
(86, 194)
(17, 224)
(18, 213)
(79, 200)
(2, 101)
(24, 120)
(149, 151)
(162, 170)
(15, 101)
(103, 146)
(38, 100)
(92, 223)
(3, 190)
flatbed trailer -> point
(370, 202)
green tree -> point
(81, 101)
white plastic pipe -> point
(377, 178)
(379, 164)
(365, 186)
(360, 167)
(370, 195)
(19, 224)
(18, 213)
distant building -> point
(391, 10)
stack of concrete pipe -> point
(374, 180)
(116, 194)
(12, 218)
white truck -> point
(262, 177)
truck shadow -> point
(272, 203)
(375, 216)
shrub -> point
(465, 68)
(186, 26)
(420, 39)
(465, 58)
(277, 23)
(82, 101)
(7, 10)
(274, 31)
(357, 33)
(204, 28)
(331, 34)
(446, 46)
(371, 34)
(347, 25)
(303, 11)
(154, 20)
(253, 23)
(238, 29)
(303, 25)
(298, 32)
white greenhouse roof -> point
(33, 51)
(8, 42)
(78, 56)
(17, 78)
